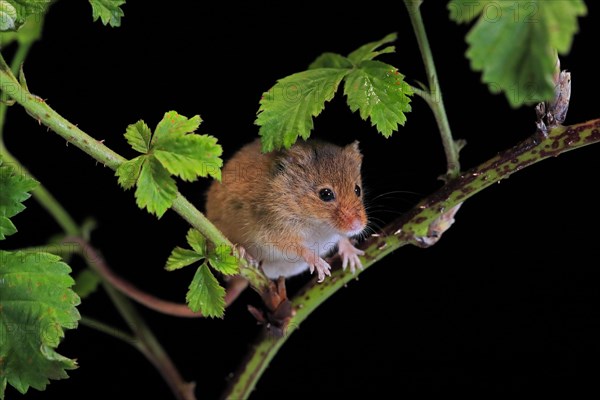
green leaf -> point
(183, 154)
(222, 259)
(129, 172)
(14, 190)
(173, 149)
(287, 109)
(190, 156)
(30, 32)
(197, 241)
(378, 90)
(36, 306)
(109, 11)
(86, 283)
(514, 44)
(368, 51)
(156, 190)
(138, 136)
(175, 126)
(205, 294)
(180, 258)
(330, 60)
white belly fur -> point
(277, 261)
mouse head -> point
(326, 182)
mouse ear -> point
(288, 157)
(352, 148)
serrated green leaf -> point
(380, 93)
(156, 190)
(181, 257)
(190, 156)
(138, 136)
(196, 241)
(205, 294)
(14, 190)
(174, 126)
(287, 109)
(36, 306)
(129, 172)
(14, 13)
(86, 283)
(330, 60)
(222, 259)
(368, 51)
(515, 46)
(109, 11)
(462, 11)
(173, 149)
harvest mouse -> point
(289, 208)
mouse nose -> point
(356, 226)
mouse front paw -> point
(252, 262)
(349, 255)
(322, 269)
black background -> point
(507, 302)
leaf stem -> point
(434, 94)
(410, 228)
(109, 330)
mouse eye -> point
(326, 194)
(357, 190)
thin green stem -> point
(109, 330)
(40, 194)
(435, 99)
(20, 56)
(411, 228)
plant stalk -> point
(434, 98)
(109, 330)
